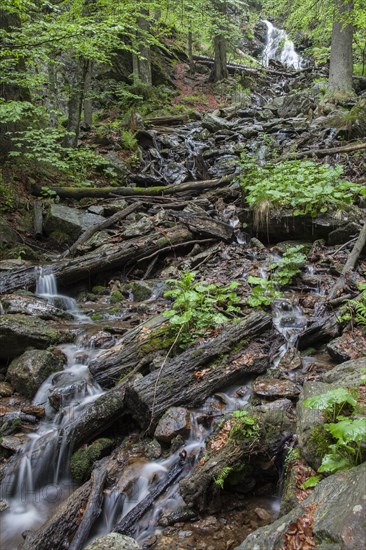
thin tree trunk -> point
(220, 66)
(88, 104)
(341, 58)
(78, 72)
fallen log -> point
(171, 120)
(350, 263)
(114, 363)
(319, 332)
(62, 525)
(93, 508)
(104, 192)
(204, 60)
(204, 225)
(118, 216)
(187, 380)
(197, 373)
(128, 523)
(323, 152)
(105, 258)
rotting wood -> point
(104, 192)
(118, 216)
(172, 120)
(105, 258)
(128, 523)
(93, 507)
(204, 225)
(350, 263)
(320, 331)
(323, 152)
(63, 523)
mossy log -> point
(248, 455)
(105, 258)
(134, 346)
(198, 372)
(63, 524)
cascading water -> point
(281, 48)
(40, 478)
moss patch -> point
(82, 460)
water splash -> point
(281, 48)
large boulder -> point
(70, 221)
(32, 305)
(30, 370)
(346, 374)
(19, 332)
(113, 541)
(333, 517)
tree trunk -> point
(142, 61)
(341, 62)
(220, 71)
(77, 74)
(88, 104)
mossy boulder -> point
(116, 297)
(69, 221)
(335, 511)
(30, 370)
(19, 332)
(82, 460)
(347, 374)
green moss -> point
(318, 441)
(116, 297)
(98, 289)
(82, 460)
(96, 316)
(140, 292)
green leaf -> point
(311, 482)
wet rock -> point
(207, 525)
(337, 507)
(173, 423)
(19, 332)
(12, 443)
(69, 221)
(310, 426)
(347, 374)
(336, 351)
(350, 345)
(95, 209)
(6, 390)
(141, 227)
(35, 410)
(278, 404)
(4, 505)
(28, 304)
(82, 461)
(274, 387)
(263, 514)
(30, 370)
(115, 206)
(213, 123)
(8, 235)
(113, 541)
(291, 360)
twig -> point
(173, 246)
(344, 246)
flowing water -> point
(280, 48)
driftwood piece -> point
(197, 373)
(127, 524)
(93, 508)
(319, 332)
(37, 219)
(323, 152)
(118, 361)
(62, 525)
(118, 216)
(104, 192)
(204, 225)
(105, 258)
(350, 263)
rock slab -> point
(114, 541)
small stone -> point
(11, 443)
(113, 541)
(273, 387)
(35, 410)
(263, 514)
(6, 390)
(174, 422)
(291, 360)
(98, 210)
(4, 505)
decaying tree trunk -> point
(341, 53)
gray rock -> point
(274, 387)
(339, 514)
(142, 227)
(336, 351)
(8, 235)
(346, 374)
(70, 221)
(113, 541)
(174, 422)
(32, 305)
(117, 164)
(27, 373)
(214, 123)
(95, 209)
(19, 332)
(309, 424)
(6, 390)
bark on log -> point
(204, 225)
(172, 120)
(104, 192)
(127, 524)
(350, 263)
(93, 509)
(62, 525)
(121, 359)
(118, 216)
(197, 373)
(320, 331)
(104, 258)
(324, 152)
(204, 60)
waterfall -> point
(46, 287)
(281, 48)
